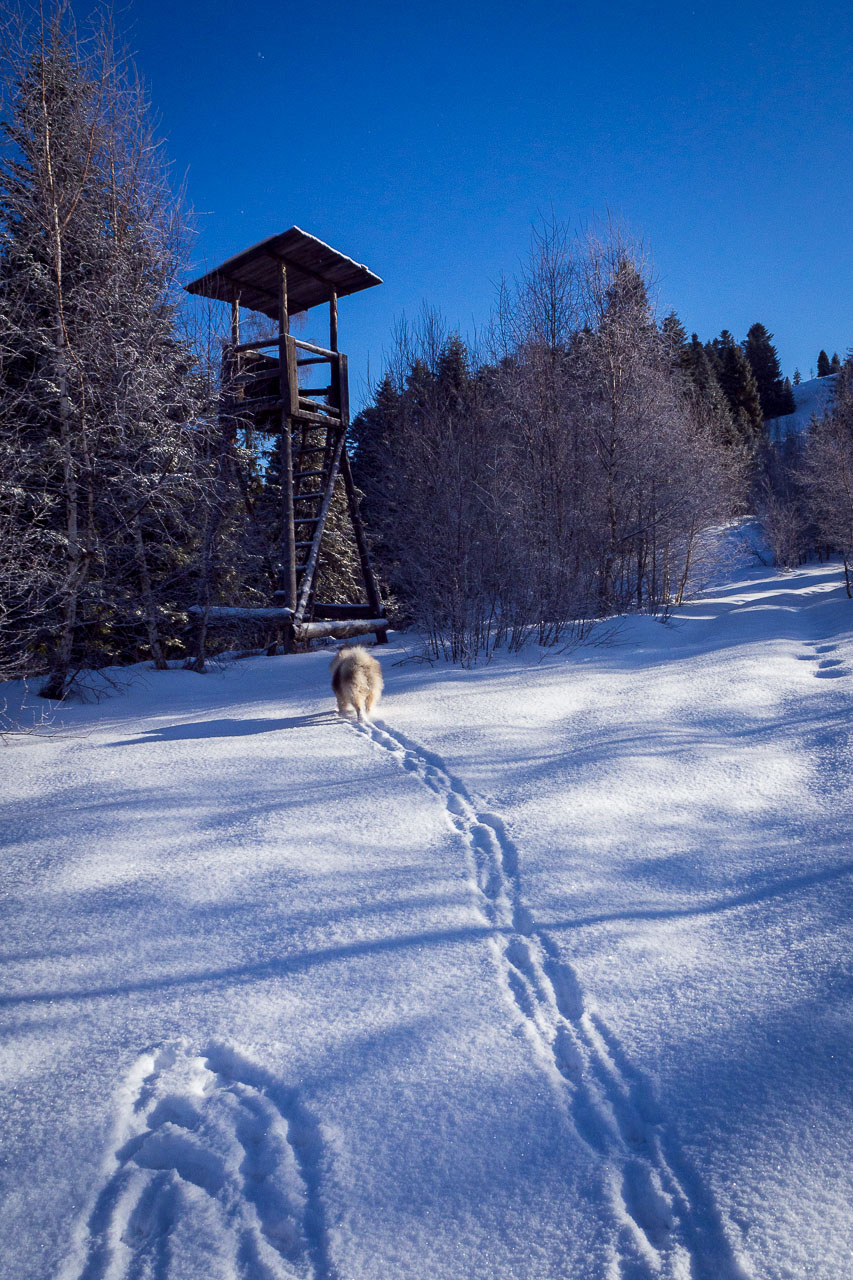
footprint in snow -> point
(667, 1230)
(215, 1160)
(827, 668)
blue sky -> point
(425, 140)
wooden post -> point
(361, 542)
(227, 433)
(289, 538)
(313, 554)
(333, 321)
(343, 391)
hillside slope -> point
(812, 397)
(546, 974)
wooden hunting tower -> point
(280, 277)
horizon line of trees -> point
(574, 464)
(567, 469)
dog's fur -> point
(356, 680)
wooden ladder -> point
(314, 422)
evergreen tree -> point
(373, 434)
(835, 363)
(627, 303)
(764, 362)
(823, 366)
(737, 380)
(452, 375)
(675, 339)
(99, 393)
(703, 376)
(798, 377)
(788, 404)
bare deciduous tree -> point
(828, 471)
(569, 476)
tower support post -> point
(288, 527)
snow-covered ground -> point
(547, 974)
(811, 397)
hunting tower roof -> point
(314, 271)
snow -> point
(546, 973)
(813, 397)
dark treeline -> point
(566, 472)
(573, 466)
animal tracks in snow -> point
(827, 665)
(213, 1171)
(666, 1222)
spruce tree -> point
(823, 366)
(787, 402)
(627, 302)
(764, 362)
(798, 377)
(675, 339)
(738, 383)
(452, 375)
(835, 363)
(703, 376)
(99, 392)
(714, 360)
(372, 435)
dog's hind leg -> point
(340, 692)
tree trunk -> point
(679, 599)
(148, 598)
(57, 683)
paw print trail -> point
(666, 1222)
(214, 1170)
(829, 666)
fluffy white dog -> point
(356, 680)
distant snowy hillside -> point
(812, 397)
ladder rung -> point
(320, 493)
(311, 448)
(304, 544)
(331, 411)
(258, 342)
(303, 475)
(263, 403)
(307, 520)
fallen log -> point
(339, 630)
